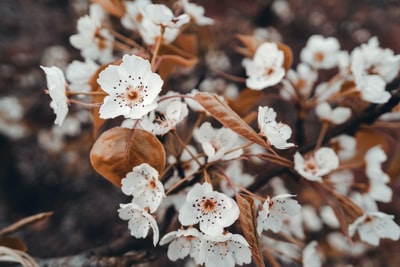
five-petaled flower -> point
(320, 52)
(139, 221)
(275, 210)
(142, 183)
(266, 68)
(314, 166)
(373, 226)
(277, 133)
(132, 88)
(212, 210)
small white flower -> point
(133, 16)
(373, 226)
(166, 116)
(142, 183)
(196, 12)
(266, 67)
(314, 166)
(344, 145)
(79, 73)
(303, 78)
(310, 255)
(374, 157)
(337, 115)
(187, 163)
(372, 89)
(94, 41)
(364, 201)
(235, 173)
(217, 143)
(132, 88)
(328, 216)
(320, 52)
(341, 181)
(275, 210)
(157, 19)
(139, 221)
(277, 133)
(183, 243)
(56, 85)
(211, 209)
(224, 250)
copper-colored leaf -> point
(169, 62)
(118, 150)
(25, 222)
(114, 7)
(12, 242)
(251, 44)
(187, 42)
(288, 55)
(225, 115)
(248, 222)
(245, 101)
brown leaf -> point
(25, 222)
(118, 150)
(248, 222)
(288, 55)
(251, 44)
(13, 242)
(225, 115)
(245, 101)
(114, 7)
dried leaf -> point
(25, 222)
(251, 44)
(187, 42)
(248, 221)
(245, 101)
(225, 115)
(118, 150)
(288, 55)
(13, 242)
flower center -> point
(152, 184)
(319, 56)
(311, 166)
(208, 205)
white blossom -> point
(303, 78)
(211, 209)
(94, 40)
(56, 85)
(183, 243)
(225, 250)
(320, 52)
(337, 115)
(139, 221)
(143, 185)
(344, 146)
(133, 16)
(266, 67)
(373, 226)
(275, 210)
(79, 74)
(132, 88)
(217, 143)
(314, 166)
(310, 255)
(234, 171)
(196, 12)
(277, 133)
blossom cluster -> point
(209, 146)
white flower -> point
(139, 221)
(314, 166)
(344, 145)
(380, 191)
(79, 74)
(211, 209)
(277, 133)
(188, 165)
(374, 157)
(183, 243)
(364, 201)
(303, 78)
(196, 12)
(341, 181)
(132, 88)
(310, 255)
(372, 89)
(337, 115)
(235, 173)
(320, 52)
(94, 41)
(217, 143)
(142, 183)
(166, 116)
(266, 67)
(328, 216)
(11, 115)
(133, 16)
(373, 226)
(275, 210)
(370, 59)
(56, 85)
(225, 250)
(158, 19)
